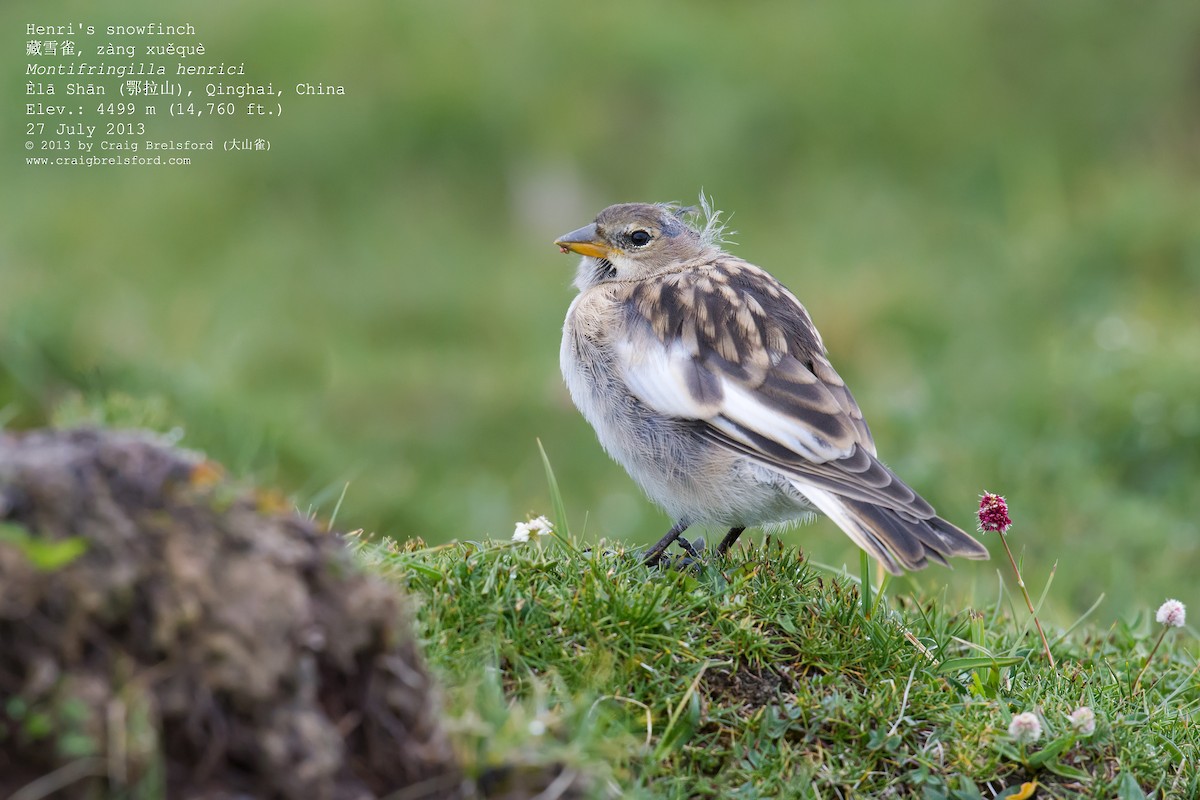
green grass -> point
(991, 210)
(762, 677)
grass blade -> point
(864, 572)
(562, 529)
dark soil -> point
(749, 687)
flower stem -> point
(1138, 682)
(1028, 602)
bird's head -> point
(631, 241)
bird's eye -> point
(640, 238)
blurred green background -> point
(991, 211)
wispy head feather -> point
(705, 219)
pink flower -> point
(993, 513)
(1083, 720)
(1172, 614)
(1025, 727)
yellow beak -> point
(585, 242)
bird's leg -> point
(654, 552)
(729, 540)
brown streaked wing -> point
(739, 323)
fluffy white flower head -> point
(539, 526)
(1172, 614)
(1025, 727)
(1083, 720)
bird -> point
(706, 379)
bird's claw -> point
(690, 560)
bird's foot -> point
(690, 560)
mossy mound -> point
(202, 642)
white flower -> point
(536, 727)
(539, 526)
(1172, 614)
(1083, 720)
(1025, 728)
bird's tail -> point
(900, 540)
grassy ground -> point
(991, 211)
(764, 676)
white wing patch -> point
(672, 382)
(656, 375)
(743, 408)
